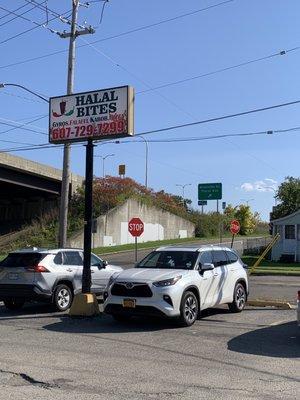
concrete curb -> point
(284, 305)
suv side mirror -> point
(104, 263)
(207, 267)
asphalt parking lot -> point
(252, 355)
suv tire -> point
(189, 309)
(239, 299)
(63, 297)
(14, 304)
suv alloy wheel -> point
(63, 297)
(239, 299)
(189, 309)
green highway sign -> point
(210, 191)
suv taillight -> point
(37, 268)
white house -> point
(288, 246)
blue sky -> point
(229, 34)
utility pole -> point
(65, 184)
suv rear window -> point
(232, 257)
(22, 259)
(219, 257)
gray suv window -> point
(95, 261)
(72, 258)
(58, 259)
(22, 259)
(219, 257)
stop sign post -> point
(136, 228)
(234, 229)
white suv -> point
(178, 282)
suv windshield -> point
(169, 260)
(21, 259)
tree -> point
(288, 194)
(247, 219)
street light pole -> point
(3, 85)
(183, 187)
(146, 157)
(103, 161)
(146, 166)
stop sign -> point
(136, 227)
(235, 226)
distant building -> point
(288, 246)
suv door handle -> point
(69, 270)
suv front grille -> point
(137, 290)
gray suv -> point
(47, 275)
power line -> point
(16, 16)
(116, 63)
(53, 13)
(222, 136)
(269, 132)
(24, 124)
(31, 29)
(164, 21)
(20, 97)
(16, 124)
(102, 13)
(17, 9)
(220, 118)
(218, 71)
(117, 35)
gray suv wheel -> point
(63, 297)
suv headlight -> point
(112, 278)
(167, 282)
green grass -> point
(149, 245)
(145, 245)
(273, 268)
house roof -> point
(286, 216)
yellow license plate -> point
(129, 303)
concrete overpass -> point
(27, 190)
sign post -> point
(136, 228)
(234, 229)
(89, 116)
(202, 203)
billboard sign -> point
(95, 115)
(210, 191)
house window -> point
(290, 231)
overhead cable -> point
(31, 29)
(116, 36)
(269, 132)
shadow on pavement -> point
(274, 341)
(106, 324)
(28, 309)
